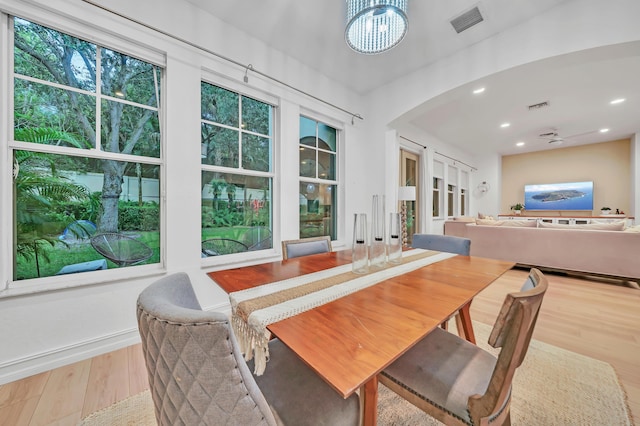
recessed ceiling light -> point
(478, 91)
(503, 125)
(617, 101)
(520, 144)
(604, 130)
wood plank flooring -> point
(586, 316)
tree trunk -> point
(111, 190)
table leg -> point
(463, 322)
(369, 402)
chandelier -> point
(374, 26)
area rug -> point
(552, 387)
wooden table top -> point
(350, 340)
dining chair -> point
(449, 244)
(197, 374)
(459, 383)
(306, 246)
(446, 243)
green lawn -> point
(52, 259)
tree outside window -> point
(86, 150)
(318, 179)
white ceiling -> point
(578, 87)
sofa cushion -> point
(633, 229)
(518, 223)
(613, 226)
(464, 219)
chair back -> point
(512, 332)
(446, 243)
(306, 246)
(197, 374)
(121, 249)
(220, 246)
(257, 238)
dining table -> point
(350, 340)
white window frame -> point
(340, 132)
(215, 79)
(106, 40)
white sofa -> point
(578, 248)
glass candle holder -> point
(360, 248)
(394, 249)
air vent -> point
(467, 20)
(538, 106)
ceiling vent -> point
(467, 20)
(538, 106)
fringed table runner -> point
(255, 308)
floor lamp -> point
(405, 193)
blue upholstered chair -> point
(306, 246)
(446, 243)
(459, 383)
(198, 376)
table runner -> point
(255, 308)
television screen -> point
(559, 196)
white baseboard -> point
(28, 366)
(21, 368)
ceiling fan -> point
(552, 136)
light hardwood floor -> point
(589, 317)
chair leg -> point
(463, 322)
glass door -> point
(409, 176)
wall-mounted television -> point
(559, 196)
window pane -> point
(326, 165)
(307, 131)
(128, 129)
(219, 105)
(256, 116)
(128, 78)
(61, 201)
(317, 210)
(63, 59)
(326, 137)
(237, 208)
(39, 107)
(307, 162)
(256, 153)
(221, 146)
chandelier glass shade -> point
(374, 26)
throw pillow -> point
(614, 226)
(489, 222)
(484, 216)
(464, 219)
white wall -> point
(43, 330)
(570, 27)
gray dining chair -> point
(459, 383)
(198, 376)
(306, 246)
(449, 244)
(446, 243)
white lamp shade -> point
(407, 193)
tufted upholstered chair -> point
(459, 383)
(197, 375)
(306, 246)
